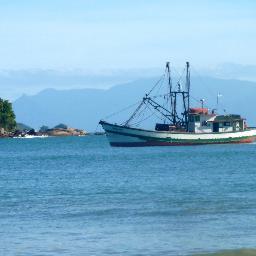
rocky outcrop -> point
(4, 133)
(65, 132)
(45, 131)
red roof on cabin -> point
(198, 110)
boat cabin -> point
(201, 121)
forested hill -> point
(7, 116)
(83, 108)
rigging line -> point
(154, 113)
(198, 101)
(115, 113)
(223, 107)
(96, 129)
(201, 80)
(161, 85)
(165, 106)
(135, 114)
(160, 95)
(140, 120)
(141, 102)
(157, 106)
(178, 72)
(195, 99)
(182, 74)
(141, 114)
(138, 123)
(161, 78)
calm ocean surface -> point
(79, 196)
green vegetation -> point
(7, 116)
(61, 126)
(23, 127)
(43, 128)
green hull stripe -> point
(193, 141)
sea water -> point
(79, 196)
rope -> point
(154, 113)
(130, 106)
(201, 80)
(122, 110)
(138, 123)
(135, 114)
(161, 79)
(96, 129)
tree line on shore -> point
(7, 116)
(9, 127)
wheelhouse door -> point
(215, 127)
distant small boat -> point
(193, 126)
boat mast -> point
(168, 71)
(180, 121)
(188, 92)
(172, 95)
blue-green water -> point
(78, 196)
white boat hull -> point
(122, 136)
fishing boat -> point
(181, 124)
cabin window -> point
(197, 118)
(227, 124)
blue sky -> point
(81, 34)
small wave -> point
(31, 137)
(236, 252)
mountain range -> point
(83, 108)
(14, 83)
